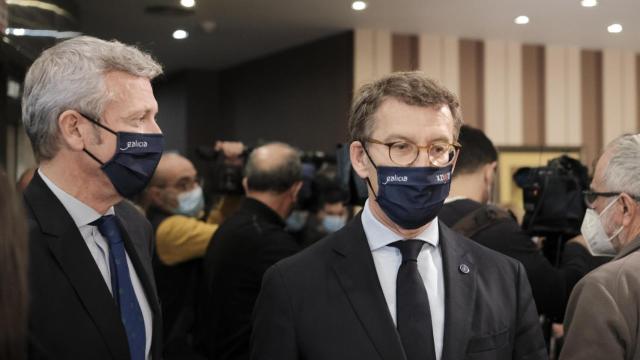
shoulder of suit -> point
(478, 251)
(616, 272)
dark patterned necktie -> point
(413, 316)
(122, 288)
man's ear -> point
(244, 185)
(629, 209)
(359, 159)
(295, 189)
(490, 172)
(71, 132)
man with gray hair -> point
(244, 246)
(602, 319)
(89, 111)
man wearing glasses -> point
(395, 283)
(602, 319)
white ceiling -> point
(247, 29)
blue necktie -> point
(122, 288)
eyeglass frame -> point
(456, 146)
(596, 194)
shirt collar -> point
(81, 213)
(379, 236)
(454, 198)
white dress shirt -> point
(83, 215)
(387, 261)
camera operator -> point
(467, 210)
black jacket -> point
(72, 314)
(326, 303)
(550, 286)
(242, 249)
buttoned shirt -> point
(83, 215)
(387, 261)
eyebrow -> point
(392, 137)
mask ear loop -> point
(374, 165)
(99, 125)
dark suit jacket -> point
(550, 285)
(72, 314)
(241, 250)
(326, 303)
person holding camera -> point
(245, 245)
(602, 320)
(468, 211)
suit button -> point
(464, 269)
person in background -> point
(90, 113)
(331, 216)
(13, 273)
(175, 207)
(602, 320)
(375, 289)
(244, 246)
(467, 209)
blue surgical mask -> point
(333, 223)
(190, 203)
(296, 220)
(134, 162)
(412, 196)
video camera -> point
(553, 201)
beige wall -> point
(520, 94)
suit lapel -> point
(357, 275)
(460, 292)
(71, 252)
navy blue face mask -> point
(411, 196)
(134, 162)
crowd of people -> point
(116, 251)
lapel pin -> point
(464, 269)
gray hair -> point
(273, 174)
(70, 76)
(623, 170)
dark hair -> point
(276, 177)
(13, 273)
(330, 195)
(477, 150)
(412, 88)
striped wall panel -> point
(520, 94)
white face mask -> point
(598, 242)
(190, 203)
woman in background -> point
(13, 273)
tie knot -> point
(409, 249)
(108, 227)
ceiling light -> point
(521, 20)
(589, 3)
(614, 28)
(188, 3)
(180, 34)
(359, 5)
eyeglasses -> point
(187, 183)
(591, 196)
(405, 153)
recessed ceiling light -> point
(521, 20)
(180, 34)
(589, 3)
(614, 28)
(188, 3)
(359, 5)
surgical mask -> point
(598, 242)
(190, 203)
(296, 221)
(134, 162)
(333, 223)
(412, 196)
